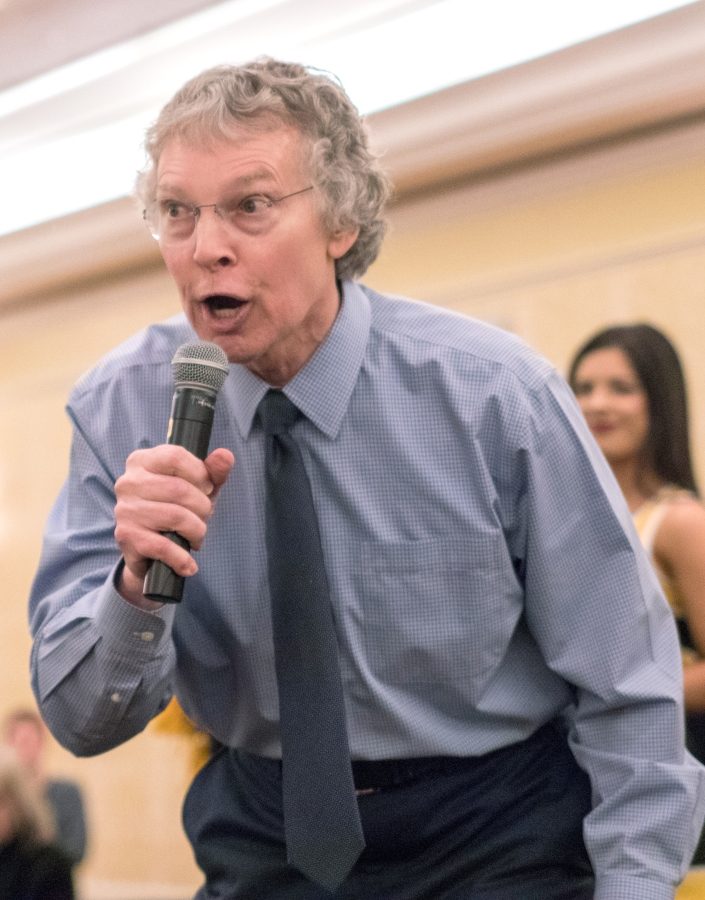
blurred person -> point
(387, 648)
(631, 388)
(24, 731)
(31, 866)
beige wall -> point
(551, 247)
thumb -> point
(219, 464)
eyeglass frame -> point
(195, 210)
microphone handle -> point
(161, 582)
(190, 427)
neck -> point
(282, 362)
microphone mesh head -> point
(201, 364)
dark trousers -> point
(504, 826)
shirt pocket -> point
(436, 612)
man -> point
(477, 574)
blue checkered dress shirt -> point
(484, 572)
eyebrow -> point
(242, 182)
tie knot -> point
(277, 413)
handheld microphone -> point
(200, 370)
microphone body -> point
(199, 372)
(191, 420)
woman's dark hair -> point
(658, 367)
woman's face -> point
(613, 402)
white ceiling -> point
(39, 35)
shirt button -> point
(145, 635)
(115, 697)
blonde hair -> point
(30, 815)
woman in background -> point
(31, 868)
(630, 385)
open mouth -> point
(222, 304)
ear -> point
(341, 241)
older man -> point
(420, 624)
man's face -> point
(263, 290)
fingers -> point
(166, 489)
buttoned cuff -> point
(127, 630)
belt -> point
(371, 775)
(376, 774)
(384, 773)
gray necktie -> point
(321, 818)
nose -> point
(213, 241)
(595, 400)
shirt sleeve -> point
(101, 668)
(595, 608)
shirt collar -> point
(322, 389)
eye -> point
(254, 205)
(624, 387)
(582, 388)
(175, 211)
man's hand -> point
(165, 488)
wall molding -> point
(648, 78)
(624, 82)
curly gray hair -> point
(343, 168)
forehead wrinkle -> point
(240, 182)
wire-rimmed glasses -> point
(170, 221)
